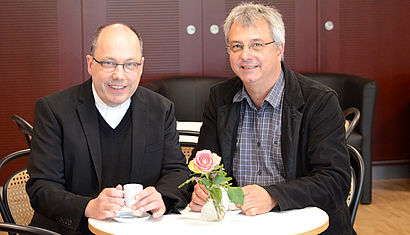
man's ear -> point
(89, 63)
(280, 49)
(141, 67)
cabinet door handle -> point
(190, 29)
(214, 29)
(329, 26)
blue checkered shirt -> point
(258, 157)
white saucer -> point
(126, 215)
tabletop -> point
(309, 220)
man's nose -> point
(119, 72)
(245, 52)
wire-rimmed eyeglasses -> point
(254, 46)
(109, 66)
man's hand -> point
(257, 200)
(150, 199)
(199, 197)
(106, 204)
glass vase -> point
(212, 210)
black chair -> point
(25, 127)
(23, 229)
(189, 94)
(15, 204)
(357, 172)
(358, 92)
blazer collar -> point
(140, 119)
(88, 115)
(291, 121)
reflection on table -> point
(310, 220)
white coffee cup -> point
(130, 191)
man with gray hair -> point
(281, 135)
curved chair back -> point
(25, 127)
(23, 229)
(357, 172)
(352, 116)
(15, 203)
(188, 144)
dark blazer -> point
(65, 161)
(313, 145)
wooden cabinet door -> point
(171, 31)
(185, 37)
(372, 39)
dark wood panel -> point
(168, 48)
(215, 57)
(372, 39)
(38, 56)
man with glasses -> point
(92, 138)
(281, 135)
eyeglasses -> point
(110, 67)
(254, 46)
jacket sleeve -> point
(174, 169)
(46, 186)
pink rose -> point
(204, 162)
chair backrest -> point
(189, 94)
(15, 203)
(188, 136)
(23, 229)
(24, 126)
(357, 172)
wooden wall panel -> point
(372, 39)
(168, 49)
(35, 60)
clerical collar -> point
(112, 115)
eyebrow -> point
(127, 60)
(253, 40)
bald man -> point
(91, 139)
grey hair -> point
(247, 14)
(98, 32)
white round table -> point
(310, 220)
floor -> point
(389, 212)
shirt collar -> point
(273, 98)
(112, 115)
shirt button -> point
(258, 144)
(259, 172)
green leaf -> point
(236, 195)
(216, 194)
(218, 179)
(206, 182)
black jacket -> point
(65, 161)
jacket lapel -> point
(88, 118)
(139, 125)
(228, 116)
(291, 119)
